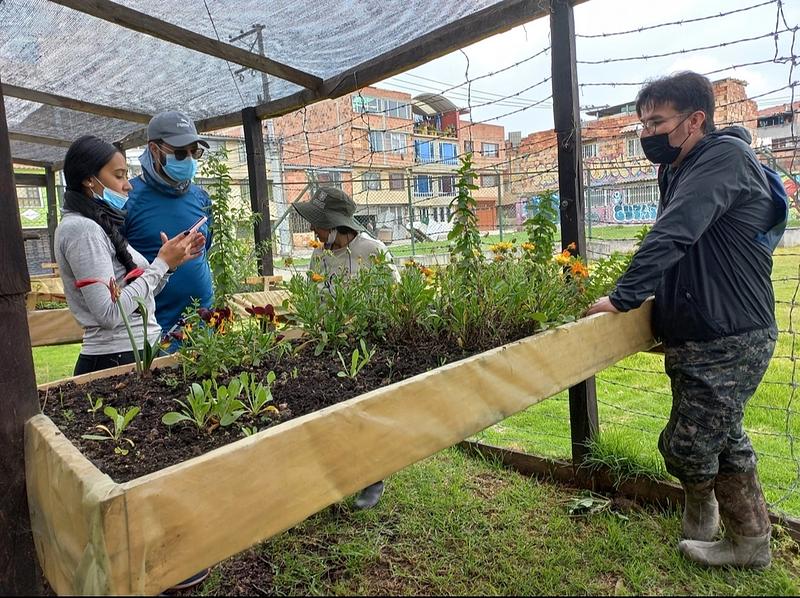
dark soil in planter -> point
(304, 384)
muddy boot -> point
(700, 511)
(369, 496)
(747, 527)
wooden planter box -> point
(95, 536)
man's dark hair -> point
(686, 91)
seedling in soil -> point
(94, 405)
(249, 430)
(357, 361)
(68, 415)
(257, 396)
(120, 420)
(197, 408)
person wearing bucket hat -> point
(346, 249)
(164, 198)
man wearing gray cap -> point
(347, 248)
(164, 198)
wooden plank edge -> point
(599, 478)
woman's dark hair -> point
(686, 91)
(85, 158)
(346, 230)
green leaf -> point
(95, 437)
(173, 417)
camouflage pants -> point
(711, 384)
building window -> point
(398, 142)
(448, 185)
(396, 181)
(390, 107)
(489, 180)
(423, 151)
(490, 150)
(372, 181)
(422, 185)
(376, 141)
(241, 153)
(447, 152)
(589, 150)
(328, 179)
(633, 147)
(469, 147)
(29, 197)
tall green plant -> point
(465, 241)
(231, 259)
(541, 228)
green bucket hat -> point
(328, 208)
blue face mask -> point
(180, 170)
(112, 198)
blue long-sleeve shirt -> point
(152, 209)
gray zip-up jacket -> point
(83, 250)
(702, 258)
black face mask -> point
(658, 150)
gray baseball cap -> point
(174, 128)
(328, 208)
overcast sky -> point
(608, 16)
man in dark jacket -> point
(709, 266)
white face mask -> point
(331, 239)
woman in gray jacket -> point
(89, 245)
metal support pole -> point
(566, 115)
(19, 401)
(257, 176)
(410, 212)
(52, 209)
(499, 204)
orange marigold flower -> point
(528, 246)
(314, 243)
(316, 277)
(578, 270)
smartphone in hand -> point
(198, 224)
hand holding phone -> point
(198, 224)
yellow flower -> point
(498, 258)
(316, 277)
(502, 247)
(314, 243)
(427, 272)
(528, 246)
(564, 258)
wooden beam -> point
(144, 23)
(584, 423)
(40, 139)
(485, 23)
(19, 400)
(51, 99)
(52, 210)
(26, 162)
(599, 478)
(31, 180)
(259, 198)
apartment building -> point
(395, 154)
(619, 182)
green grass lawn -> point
(453, 524)
(56, 362)
(456, 525)
(634, 402)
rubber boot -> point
(747, 528)
(700, 511)
(369, 496)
